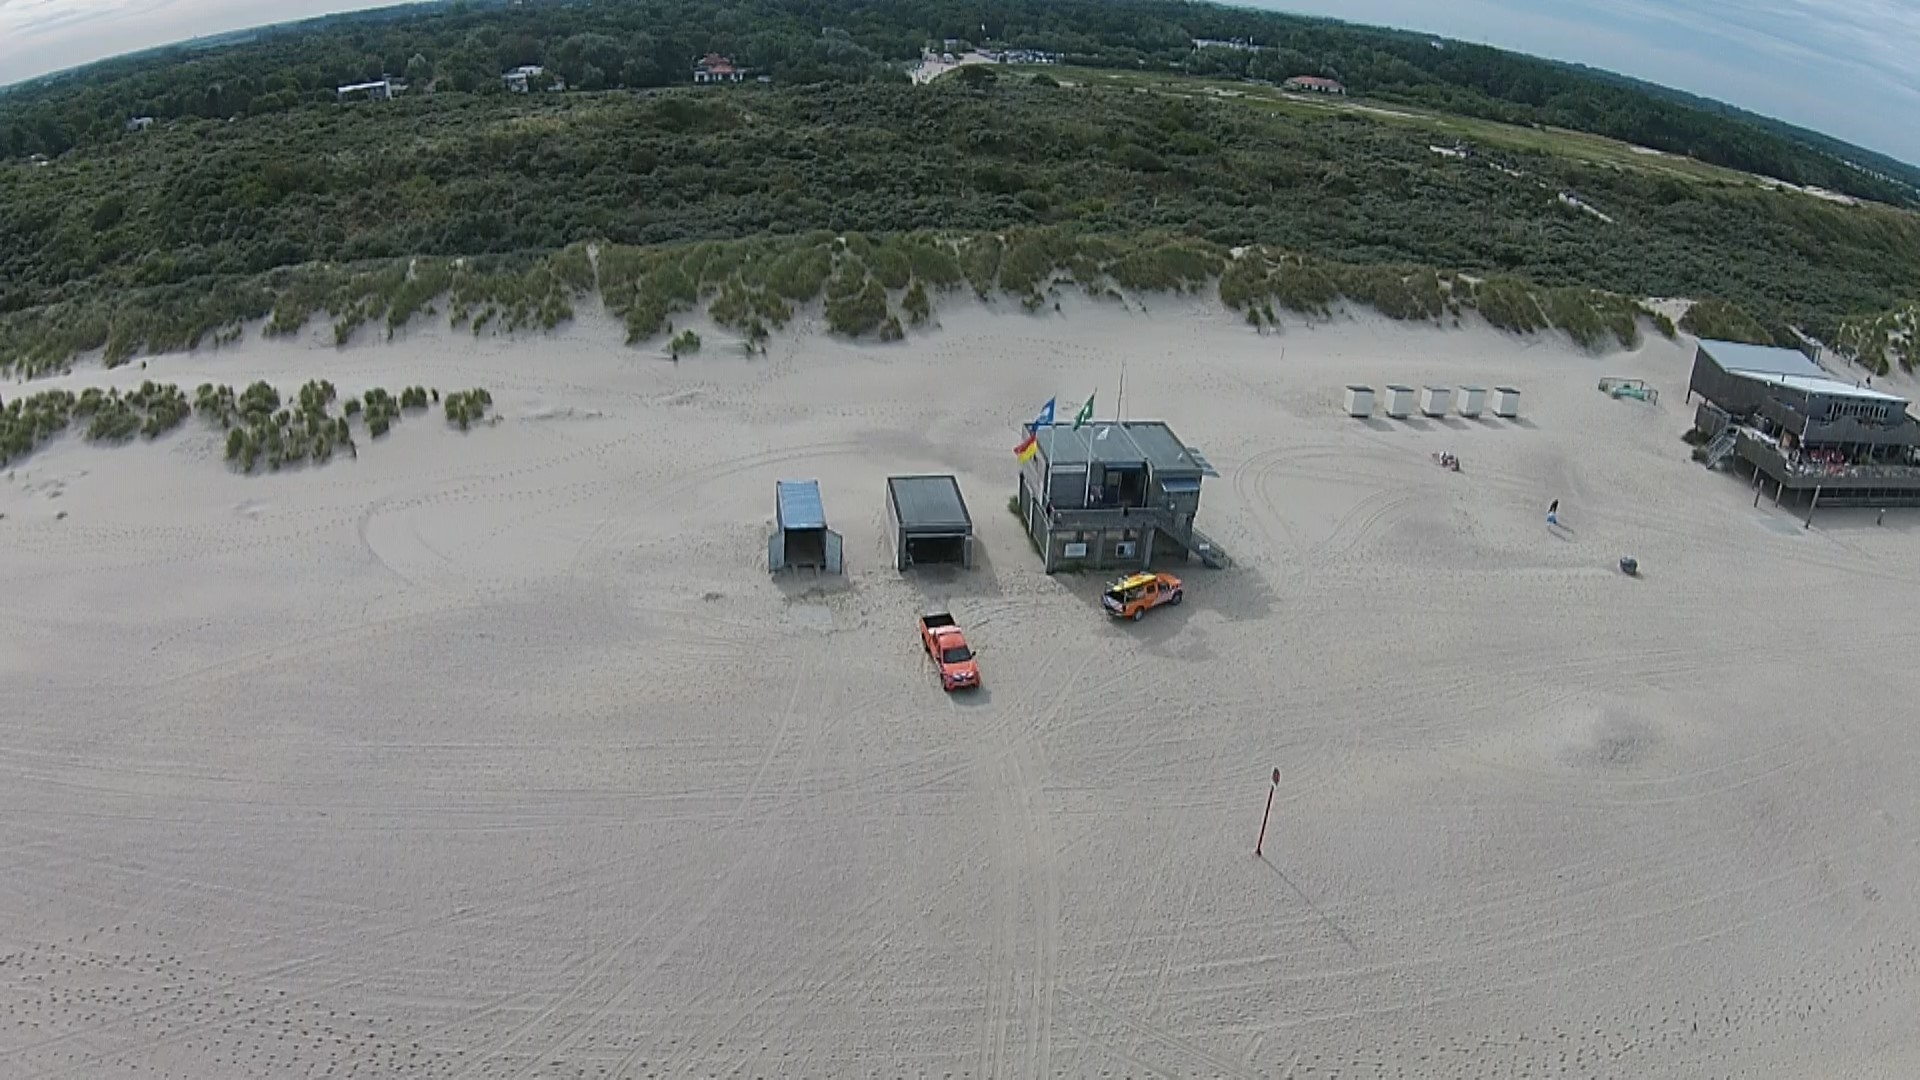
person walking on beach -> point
(1553, 514)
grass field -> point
(1447, 129)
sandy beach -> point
(501, 755)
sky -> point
(1842, 67)
(1837, 66)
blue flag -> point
(1045, 419)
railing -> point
(1897, 429)
(1112, 517)
(1801, 473)
(1721, 446)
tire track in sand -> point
(1015, 826)
(581, 976)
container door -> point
(776, 552)
(833, 552)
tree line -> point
(597, 44)
(156, 243)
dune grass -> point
(261, 429)
(868, 287)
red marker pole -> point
(1262, 842)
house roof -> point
(929, 503)
(799, 504)
(1788, 369)
(1314, 80)
(1822, 384)
(1128, 442)
(1760, 359)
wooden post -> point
(1262, 842)
(1810, 509)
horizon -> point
(1734, 53)
(1839, 69)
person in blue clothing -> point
(1553, 514)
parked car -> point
(947, 647)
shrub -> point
(1304, 288)
(891, 266)
(1245, 281)
(26, 423)
(799, 275)
(315, 396)
(1029, 259)
(934, 263)
(216, 404)
(1172, 266)
(114, 422)
(915, 304)
(685, 342)
(1509, 306)
(465, 407)
(1725, 322)
(258, 402)
(858, 313)
(980, 263)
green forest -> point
(603, 44)
(257, 195)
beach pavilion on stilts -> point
(1111, 494)
(1817, 441)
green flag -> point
(1085, 415)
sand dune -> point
(500, 755)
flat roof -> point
(799, 504)
(1118, 442)
(929, 503)
(1761, 359)
(1821, 384)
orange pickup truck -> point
(947, 647)
(1131, 597)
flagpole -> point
(1086, 489)
(1120, 406)
(1046, 482)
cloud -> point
(1838, 67)
(42, 36)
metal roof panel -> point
(799, 504)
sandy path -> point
(501, 756)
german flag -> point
(1028, 447)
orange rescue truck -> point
(1131, 597)
(947, 647)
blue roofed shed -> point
(801, 539)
